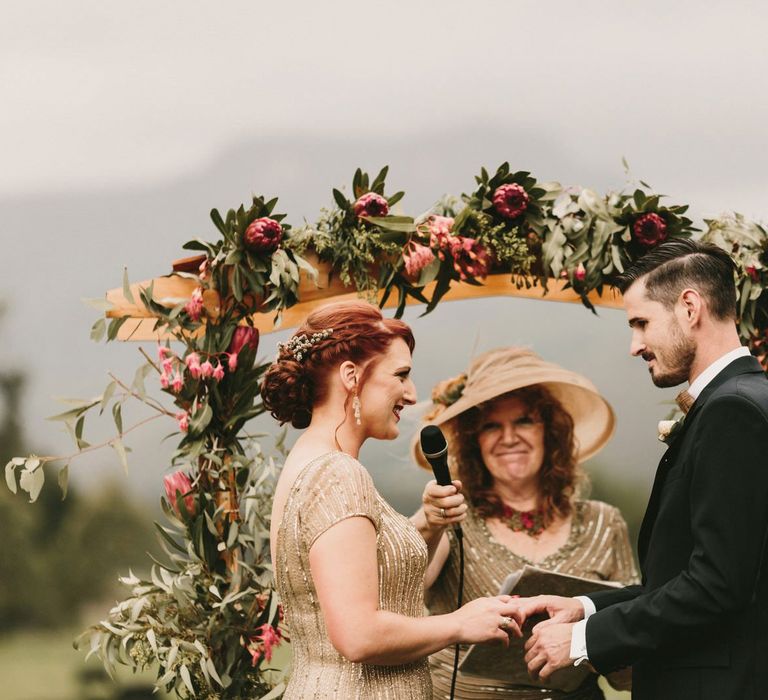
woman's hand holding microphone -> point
(443, 505)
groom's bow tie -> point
(684, 401)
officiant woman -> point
(517, 429)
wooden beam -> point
(172, 289)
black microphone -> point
(435, 449)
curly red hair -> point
(559, 475)
(291, 388)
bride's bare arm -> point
(345, 573)
(438, 546)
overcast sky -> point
(122, 124)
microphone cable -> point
(459, 533)
(435, 450)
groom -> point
(697, 627)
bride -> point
(349, 569)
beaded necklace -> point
(531, 522)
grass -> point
(42, 665)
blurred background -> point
(123, 124)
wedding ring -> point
(505, 622)
(442, 513)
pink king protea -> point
(510, 201)
(371, 204)
(263, 235)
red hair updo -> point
(292, 387)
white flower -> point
(564, 205)
(666, 428)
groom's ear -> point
(691, 307)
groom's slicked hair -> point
(681, 263)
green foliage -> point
(358, 245)
(747, 242)
(201, 613)
(354, 250)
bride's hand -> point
(443, 505)
(488, 620)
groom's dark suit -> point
(697, 627)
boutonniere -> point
(669, 428)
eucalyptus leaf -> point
(184, 672)
(152, 639)
(32, 463)
(307, 267)
(232, 537)
(32, 482)
(114, 326)
(10, 476)
(64, 480)
(98, 303)
(98, 329)
(169, 539)
(402, 224)
(117, 415)
(139, 377)
(117, 445)
(616, 257)
(212, 671)
(429, 273)
(237, 283)
(199, 244)
(127, 293)
(107, 395)
(200, 420)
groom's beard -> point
(674, 362)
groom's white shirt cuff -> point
(579, 632)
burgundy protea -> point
(263, 235)
(510, 201)
(177, 484)
(416, 257)
(650, 229)
(439, 229)
(439, 225)
(470, 258)
(371, 204)
(244, 335)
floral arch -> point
(207, 618)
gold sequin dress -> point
(329, 489)
(597, 548)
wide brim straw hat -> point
(503, 370)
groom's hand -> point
(559, 609)
(548, 649)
